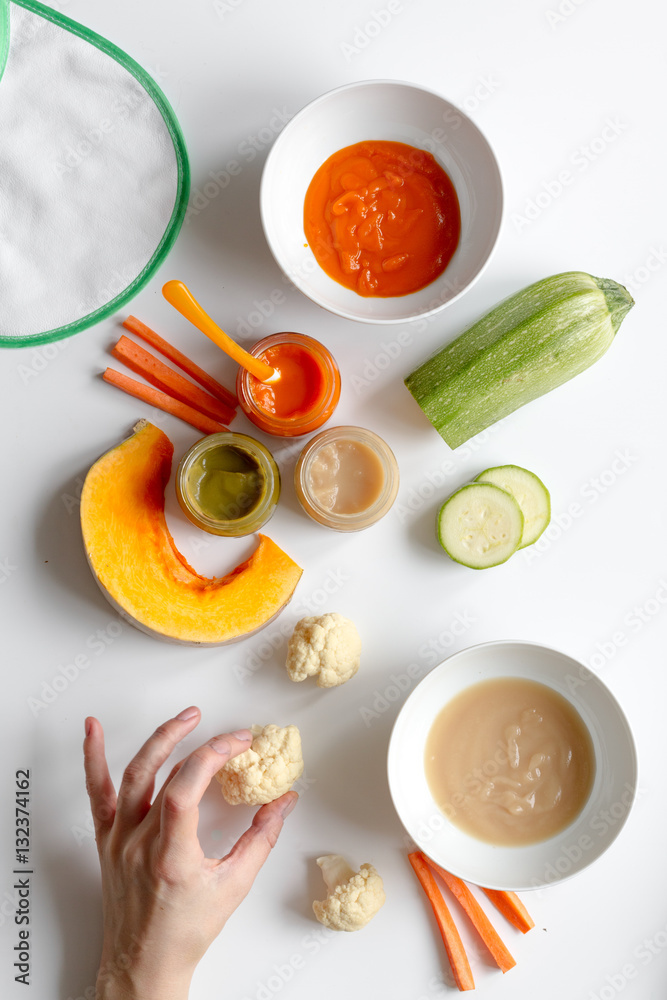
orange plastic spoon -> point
(182, 299)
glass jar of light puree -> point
(346, 478)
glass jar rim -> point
(260, 512)
(379, 507)
(324, 356)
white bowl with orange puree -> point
(512, 765)
(372, 112)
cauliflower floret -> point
(266, 770)
(326, 646)
(353, 897)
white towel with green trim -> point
(94, 177)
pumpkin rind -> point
(141, 572)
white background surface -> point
(580, 92)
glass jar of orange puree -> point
(305, 395)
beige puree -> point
(510, 761)
(346, 476)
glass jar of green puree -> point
(228, 484)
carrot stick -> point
(162, 401)
(162, 377)
(511, 907)
(480, 921)
(140, 329)
(452, 940)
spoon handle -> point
(182, 299)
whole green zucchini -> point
(527, 345)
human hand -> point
(164, 900)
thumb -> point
(241, 865)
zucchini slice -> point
(480, 525)
(529, 492)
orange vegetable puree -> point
(300, 388)
(382, 218)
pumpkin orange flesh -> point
(136, 563)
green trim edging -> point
(183, 187)
(4, 34)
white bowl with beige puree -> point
(522, 866)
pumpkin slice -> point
(141, 572)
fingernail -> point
(243, 734)
(221, 745)
(286, 807)
(188, 713)
(88, 726)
